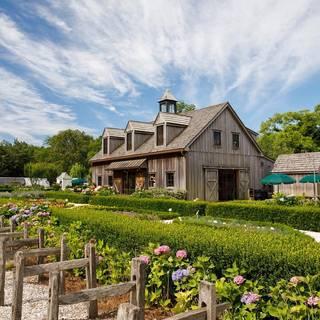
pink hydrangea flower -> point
(295, 280)
(239, 280)
(162, 250)
(250, 297)
(181, 254)
(144, 259)
(313, 301)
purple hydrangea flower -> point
(180, 274)
(313, 301)
(250, 297)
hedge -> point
(182, 207)
(269, 255)
(303, 218)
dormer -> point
(137, 133)
(112, 139)
(168, 103)
(169, 126)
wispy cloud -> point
(26, 115)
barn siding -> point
(114, 143)
(203, 153)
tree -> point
(78, 171)
(69, 147)
(291, 132)
(185, 107)
(42, 170)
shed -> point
(64, 180)
(298, 165)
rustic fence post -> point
(137, 296)
(12, 225)
(208, 298)
(128, 311)
(1, 222)
(63, 257)
(2, 268)
(25, 230)
(53, 309)
(40, 245)
(16, 309)
(90, 253)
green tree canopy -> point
(42, 170)
(184, 107)
(78, 171)
(291, 132)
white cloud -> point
(26, 115)
(109, 49)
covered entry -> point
(129, 175)
(223, 184)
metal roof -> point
(298, 162)
(127, 164)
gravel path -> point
(312, 234)
(35, 303)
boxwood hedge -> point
(303, 218)
(270, 255)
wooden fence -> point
(209, 309)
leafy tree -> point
(78, 171)
(184, 107)
(291, 132)
(69, 147)
(42, 170)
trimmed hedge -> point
(269, 255)
(303, 218)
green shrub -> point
(270, 255)
(303, 218)
(183, 208)
(5, 188)
(160, 193)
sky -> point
(90, 64)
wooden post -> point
(1, 222)
(137, 296)
(53, 305)
(2, 268)
(90, 253)
(63, 257)
(12, 226)
(40, 245)
(128, 311)
(208, 298)
(16, 308)
(25, 230)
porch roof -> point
(127, 164)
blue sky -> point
(90, 64)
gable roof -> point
(199, 120)
(173, 118)
(139, 126)
(297, 162)
(114, 132)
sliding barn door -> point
(244, 180)
(211, 185)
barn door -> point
(243, 184)
(211, 184)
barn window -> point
(217, 138)
(110, 181)
(129, 141)
(152, 180)
(160, 135)
(105, 146)
(170, 179)
(235, 140)
(99, 181)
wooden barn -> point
(298, 165)
(207, 152)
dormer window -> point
(105, 145)
(129, 141)
(160, 136)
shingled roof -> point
(297, 163)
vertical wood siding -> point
(114, 143)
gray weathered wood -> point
(208, 298)
(43, 252)
(97, 293)
(16, 308)
(40, 245)
(25, 230)
(4, 229)
(12, 225)
(53, 305)
(199, 314)
(138, 274)
(11, 234)
(1, 222)
(128, 311)
(91, 278)
(2, 269)
(55, 266)
(63, 257)
(17, 244)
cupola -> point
(168, 103)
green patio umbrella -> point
(311, 178)
(78, 181)
(277, 178)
